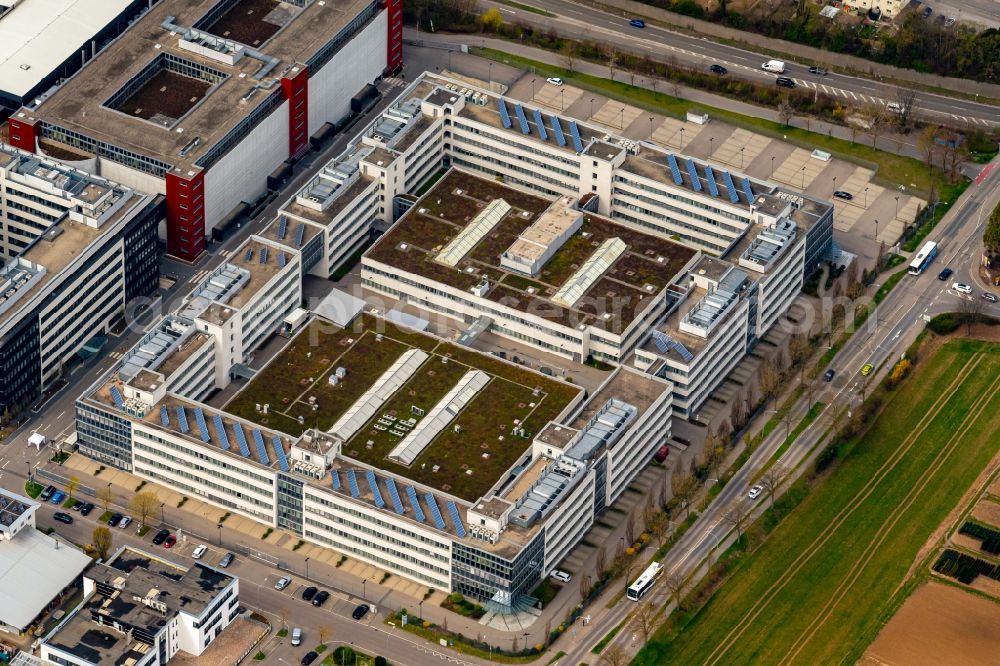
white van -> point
(296, 636)
(896, 107)
(774, 66)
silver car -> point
(282, 583)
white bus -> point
(923, 258)
(644, 583)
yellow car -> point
(867, 369)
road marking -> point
(853, 95)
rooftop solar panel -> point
(504, 116)
(352, 482)
(435, 511)
(557, 130)
(693, 172)
(456, 519)
(280, 452)
(710, 177)
(415, 503)
(282, 227)
(747, 190)
(335, 479)
(116, 395)
(182, 419)
(164, 416)
(575, 133)
(300, 234)
(730, 187)
(675, 171)
(540, 124)
(249, 254)
(521, 120)
(258, 440)
(376, 493)
(397, 504)
(199, 417)
(220, 431)
(263, 255)
(241, 440)
(282, 259)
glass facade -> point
(486, 576)
(104, 435)
(290, 502)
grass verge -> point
(806, 421)
(825, 577)
(610, 636)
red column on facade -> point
(185, 214)
(296, 89)
(394, 56)
(23, 133)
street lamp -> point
(621, 122)
(803, 178)
(562, 99)
(651, 128)
(364, 588)
(533, 89)
(866, 197)
(28, 463)
(876, 229)
(711, 151)
(591, 107)
(491, 75)
(307, 567)
(772, 166)
(897, 208)
(161, 511)
(219, 525)
(741, 156)
(682, 138)
(834, 183)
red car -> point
(170, 541)
(662, 454)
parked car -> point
(950, 21)
(560, 576)
(718, 69)
(126, 521)
(308, 658)
(296, 636)
(962, 288)
(63, 517)
(58, 497)
(161, 536)
(115, 519)
(828, 375)
(282, 583)
(309, 593)
(820, 71)
(785, 82)
(755, 492)
(226, 560)
(637, 23)
(661, 453)
(199, 551)
(360, 612)
(320, 598)
(945, 274)
(47, 494)
(866, 369)
(555, 80)
(86, 509)
(77, 505)
(169, 543)
(841, 194)
(987, 296)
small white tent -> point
(37, 440)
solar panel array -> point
(557, 130)
(280, 452)
(662, 341)
(300, 234)
(282, 227)
(182, 418)
(249, 254)
(241, 439)
(693, 172)
(376, 493)
(674, 170)
(352, 482)
(282, 259)
(575, 133)
(456, 519)
(258, 440)
(220, 430)
(335, 480)
(397, 504)
(164, 416)
(728, 180)
(747, 191)
(116, 395)
(504, 116)
(683, 351)
(415, 503)
(540, 124)
(263, 255)
(522, 120)
(199, 417)
(710, 177)
(435, 511)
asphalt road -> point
(582, 22)
(883, 338)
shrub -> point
(943, 324)
(826, 457)
(381, 661)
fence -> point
(61, 480)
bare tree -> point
(569, 55)
(630, 530)
(323, 633)
(738, 412)
(674, 583)
(72, 485)
(875, 116)
(684, 486)
(905, 99)
(612, 61)
(644, 619)
(283, 614)
(736, 516)
(601, 562)
(772, 479)
(658, 525)
(714, 457)
(584, 589)
(798, 348)
(972, 311)
(785, 111)
(143, 505)
(105, 496)
(102, 541)
(614, 655)
(768, 379)
(927, 143)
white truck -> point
(774, 66)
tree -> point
(737, 516)
(72, 485)
(323, 633)
(105, 497)
(614, 655)
(874, 115)
(674, 582)
(991, 235)
(283, 614)
(714, 458)
(658, 525)
(569, 55)
(102, 541)
(513, 644)
(143, 505)
(768, 379)
(492, 20)
(906, 98)
(684, 486)
(972, 311)
(612, 61)
(798, 348)
(785, 111)
(927, 143)
(630, 530)
(644, 619)
(772, 479)
(738, 412)
(601, 562)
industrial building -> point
(195, 92)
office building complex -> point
(75, 249)
(200, 101)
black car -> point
(77, 505)
(841, 194)
(86, 508)
(161, 536)
(115, 519)
(320, 598)
(817, 70)
(47, 493)
(308, 658)
(828, 375)
(718, 69)
(360, 612)
(308, 593)
(63, 517)
(785, 82)
(945, 274)
(226, 560)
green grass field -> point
(819, 588)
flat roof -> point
(37, 36)
(34, 568)
(612, 300)
(628, 385)
(79, 104)
(655, 165)
(490, 114)
(464, 463)
(260, 273)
